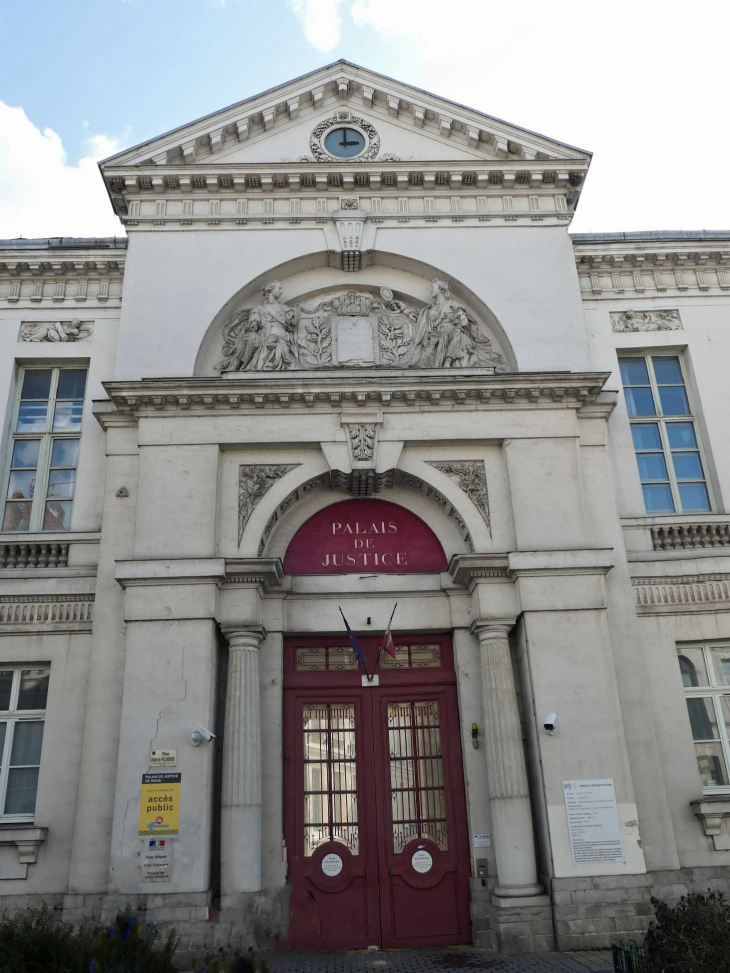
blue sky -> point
(642, 83)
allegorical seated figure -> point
(444, 336)
(266, 341)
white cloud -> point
(321, 21)
(40, 193)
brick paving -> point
(438, 960)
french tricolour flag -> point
(387, 645)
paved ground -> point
(438, 960)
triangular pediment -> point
(278, 125)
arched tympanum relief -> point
(356, 328)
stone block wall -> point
(590, 913)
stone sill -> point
(27, 840)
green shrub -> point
(35, 941)
(691, 937)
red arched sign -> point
(364, 537)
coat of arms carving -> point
(356, 329)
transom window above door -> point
(672, 469)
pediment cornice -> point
(429, 389)
(345, 85)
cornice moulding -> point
(378, 387)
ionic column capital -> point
(243, 635)
(492, 628)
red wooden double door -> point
(375, 820)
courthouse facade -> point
(349, 356)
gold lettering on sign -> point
(358, 528)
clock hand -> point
(345, 143)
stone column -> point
(241, 797)
(514, 843)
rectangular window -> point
(23, 694)
(706, 678)
(671, 468)
(41, 477)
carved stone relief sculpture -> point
(255, 480)
(631, 320)
(362, 440)
(470, 476)
(56, 331)
(356, 329)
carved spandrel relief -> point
(56, 331)
(356, 329)
(622, 321)
(470, 476)
(255, 480)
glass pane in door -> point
(330, 776)
(416, 773)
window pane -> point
(711, 764)
(6, 685)
(681, 435)
(694, 497)
(71, 383)
(667, 371)
(27, 740)
(721, 665)
(22, 788)
(3, 727)
(67, 415)
(687, 466)
(702, 718)
(674, 400)
(658, 499)
(25, 453)
(36, 383)
(17, 515)
(640, 402)
(21, 485)
(652, 466)
(57, 515)
(61, 483)
(692, 666)
(33, 688)
(646, 435)
(65, 452)
(32, 417)
(634, 371)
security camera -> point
(549, 723)
(201, 735)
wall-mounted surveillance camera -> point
(550, 722)
(201, 735)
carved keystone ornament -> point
(356, 329)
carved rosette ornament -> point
(254, 481)
(622, 321)
(356, 329)
(470, 476)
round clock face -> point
(344, 143)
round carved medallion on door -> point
(334, 867)
(424, 864)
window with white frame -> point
(706, 678)
(41, 475)
(664, 432)
(23, 694)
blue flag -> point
(356, 647)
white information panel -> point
(422, 862)
(332, 865)
(482, 840)
(593, 824)
(156, 860)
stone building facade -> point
(348, 357)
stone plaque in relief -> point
(355, 341)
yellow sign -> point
(159, 804)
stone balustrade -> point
(35, 554)
(674, 537)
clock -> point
(344, 143)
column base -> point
(517, 891)
(520, 901)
